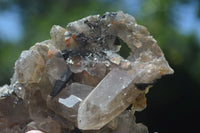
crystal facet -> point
(78, 82)
(66, 103)
(110, 97)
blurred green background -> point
(174, 101)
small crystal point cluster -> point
(78, 82)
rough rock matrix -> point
(78, 82)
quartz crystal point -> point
(111, 97)
(32, 64)
(66, 103)
(77, 81)
(118, 89)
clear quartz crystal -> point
(57, 36)
(78, 82)
(66, 103)
(29, 67)
(56, 67)
(110, 97)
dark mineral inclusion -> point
(77, 82)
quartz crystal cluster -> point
(77, 81)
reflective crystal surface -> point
(110, 97)
(29, 67)
(66, 103)
(78, 80)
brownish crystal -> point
(78, 82)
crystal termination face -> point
(77, 81)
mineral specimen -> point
(78, 82)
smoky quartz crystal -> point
(77, 81)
